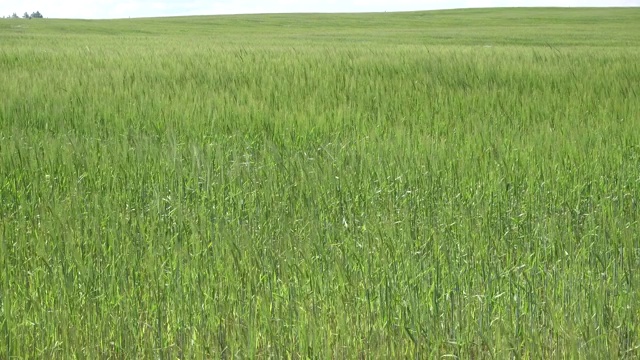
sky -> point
(108, 9)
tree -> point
(36, 15)
(14, 16)
(26, 15)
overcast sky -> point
(104, 9)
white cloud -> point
(136, 8)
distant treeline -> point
(34, 15)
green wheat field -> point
(456, 184)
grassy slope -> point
(534, 26)
(395, 185)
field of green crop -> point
(449, 184)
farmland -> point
(456, 183)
